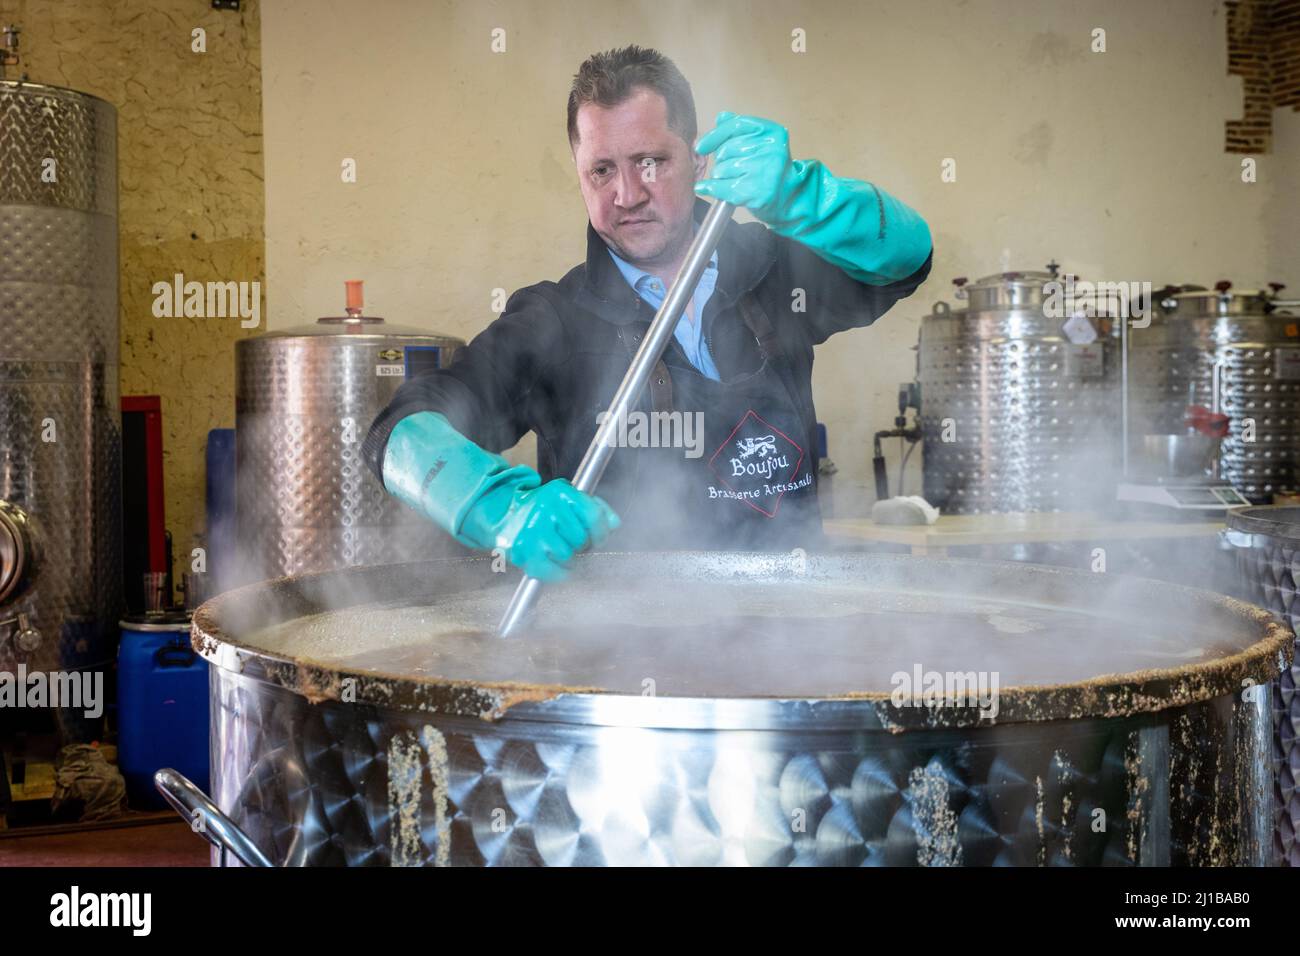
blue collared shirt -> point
(690, 335)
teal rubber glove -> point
(850, 223)
(485, 502)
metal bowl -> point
(1185, 455)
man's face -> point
(637, 178)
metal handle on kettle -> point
(218, 829)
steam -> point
(627, 620)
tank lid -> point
(1016, 289)
(343, 329)
(157, 621)
(1221, 300)
(27, 88)
(354, 322)
(1025, 278)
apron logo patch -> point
(757, 465)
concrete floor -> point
(157, 844)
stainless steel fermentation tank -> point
(1266, 542)
(304, 399)
(60, 440)
(1251, 349)
(322, 762)
(1015, 416)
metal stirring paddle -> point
(633, 384)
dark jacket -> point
(553, 360)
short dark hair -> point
(609, 78)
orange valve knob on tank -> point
(355, 297)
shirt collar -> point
(635, 276)
(748, 250)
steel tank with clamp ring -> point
(737, 709)
(304, 399)
(1245, 343)
(1266, 542)
(1019, 405)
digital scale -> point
(1208, 496)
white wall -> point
(1112, 163)
(1282, 215)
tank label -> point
(1287, 364)
(383, 370)
(1079, 330)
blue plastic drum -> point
(162, 699)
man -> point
(834, 254)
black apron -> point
(753, 485)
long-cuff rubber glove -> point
(850, 223)
(484, 502)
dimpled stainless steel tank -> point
(1253, 350)
(743, 709)
(304, 398)
(1267, 545)
(60, 426)
(1015, 416)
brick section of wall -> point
(1264, 50)
(1248, 57)
(1286, 53)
